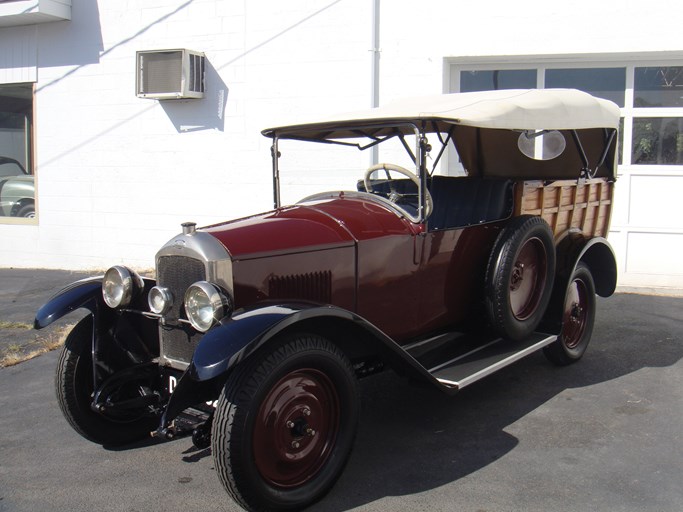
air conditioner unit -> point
(169, 74)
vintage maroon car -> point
(254, 332)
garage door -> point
(647, 222)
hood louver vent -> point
(314, 286)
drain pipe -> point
(374, 77)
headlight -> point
(119, 286)
(206, 304)
(160, 300)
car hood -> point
(17, 187)
(17, 179)
(335, 221)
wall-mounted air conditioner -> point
(169, 74)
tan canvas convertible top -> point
(485, 128)
(527, 109)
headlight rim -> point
(167, 298)
(130, 282)
(219, 300)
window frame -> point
(30, 160)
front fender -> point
(232, 341)
(236, 338)
(86, 293)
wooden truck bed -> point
(566, 204)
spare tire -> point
(519, 277)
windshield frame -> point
(376, 134)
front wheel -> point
(578, 318)
(285, 424)
(74, 385)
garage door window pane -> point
(492, 80)
(657, 140)
(17, 190)
(658, 87)
(608, 83)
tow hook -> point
(183, 426)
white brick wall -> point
(117, 174)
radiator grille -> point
(314, 286)
(177, 273)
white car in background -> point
(17, 190)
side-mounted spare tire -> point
(519, 277)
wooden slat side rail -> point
(566, 204)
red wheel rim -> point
(296, 428)
(527, 280)
(575, 314)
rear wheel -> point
(285, 424)
(74, 385)
(578, 318)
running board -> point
(456, 363)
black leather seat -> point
(466, 201)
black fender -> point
(574, 248)
(132, 335)
(235, 339)
(596, 253)
(86, 293)
(137, 333)
(599, 256)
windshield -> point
(10, 167)
(387, 171)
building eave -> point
(31, 12)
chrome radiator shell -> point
(186, 259)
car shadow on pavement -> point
(194, 454)
(414, 439)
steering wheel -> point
(394, 195)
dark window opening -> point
(17, 185)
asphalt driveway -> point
(22, 292)
(604, 434)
